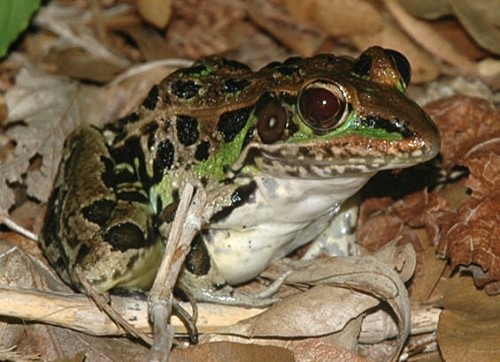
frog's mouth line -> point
(349, 155)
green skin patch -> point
(163, 190)
(350, 127)
(227, 156)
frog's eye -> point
(271, 119)
(322, 106)
(402, 65)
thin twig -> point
(186, 224)
(115, 316)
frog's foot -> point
(206, 290)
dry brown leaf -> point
(451, 29)
(484, 167)
(309, 314)
(44, 109)
(383, 220)
(70, 24)
(468, 326)
(78, 64)
(320, 351)
(49, 108)
(302, 39)
(473, 15)
(428, 9)
(206, 27)
(470, 235)
(463, 122)
(157, 13)
(59, 344)
(361, 283)
(152, 45)
(424, 35)
(300, 10)
(227, 351)
(347, 18)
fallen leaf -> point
(356, 285)
(463, 122)
(430, 40)
(474, 17)
(227, 351)
(468, 326)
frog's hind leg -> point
(99, 219)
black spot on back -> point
(132, 261)
(202, 151)
(59, 263)
(187, 130)
(233, 85)
(98, 212)
(82, 253)
(185, 89)
(118, 125)
(152, 98)
(51, 225)
(231, 123)
(196, 69)
(127, 154)
(133, 196)
(149, 128)
(108, 174)
(235, 65)
(167, 215)
(198, 260)
(164, 159)
(125, 236)
(363, 65)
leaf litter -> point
(457, 215)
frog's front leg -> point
(338, 237)
(201, 279)
(99, 220)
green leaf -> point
(14, 18)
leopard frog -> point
(291, 142)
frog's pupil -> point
(319, 106)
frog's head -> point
(327, 116)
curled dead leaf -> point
(474, 16)
(382, 220)
(470, 236)
(355, 286)
(302, 39)
(429, 39)
(463, 122)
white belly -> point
(282, 215)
